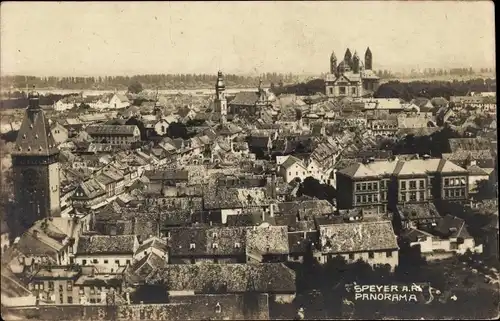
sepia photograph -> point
(248, 160)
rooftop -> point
(107, 244)
(357, 237)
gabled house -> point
(119, 101)
(106, 252)
(372, 242)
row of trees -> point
(148, 81)
(429, 89)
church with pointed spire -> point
(35, 162)
(351, 77)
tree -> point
(135, 87)
(177, 130)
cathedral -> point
(351, 78)
(36, 167)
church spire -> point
(355, 63)
(368, 59)
(333, 63)
(348, 57)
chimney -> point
(271, 209)
(35, 233)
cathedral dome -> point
(343, 67)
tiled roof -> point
(245, 98)
(34, 136)
(142, 268)
(233, 278)
(107, 244)
(418, 211)
(469, 144)
(111, 129)
(299, 241)
(267, 240)
(167, 174)
(452, 226)
(399, 167)
(153, 243)
(357, 237)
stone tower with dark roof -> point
(348, 58)
(220, 102)
(368, 59)
(35, 162)
(333, 63)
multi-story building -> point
(115, 134)
(385, 184)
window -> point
(375, 198)
(402, 197)
(192, 246)
(331, 90)
(69, 286)
(422, 183)
(218, 308)
(105, 261)
(403, 185)
(353, 90)
(413, 184)
(215, 246)
(446, 182)
(370, 255)
(358, 186)
(92, 300)
(117, 261)
(351, 256)
(128, 262)
(92, 290)
(61, 298)
(375, 185)
(70, 299)
(214, 235)
(384, 196)
(369, 198)
(413, 196)
(96, 261)
(342, 90)
(358, 199)
(363, 186)
(388, 254)
(421, 195)
(237, 245)
(363, 198)
(61, 288)
(84, 262)
(51, 285)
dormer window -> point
(215, 246)
(192, 246)
(218, 308)
(36, 135)
(237, 245)
(24, 136)
(214, 235)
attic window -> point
(192, 246)
(31, 126)
(40, 148)
(218, 308)
(214, 235)
(29, 148)
(19, 148)
(24, 136)
(237, 245)
(215, 246)
(36, 135)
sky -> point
(126, 38)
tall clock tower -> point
(220, 97)
(36, 167)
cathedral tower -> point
(355, 63)
(368, 59)
(220, 97)
(348, 58)
(333, 63)
(36, 167)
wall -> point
(378, 258)
(110, 266)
